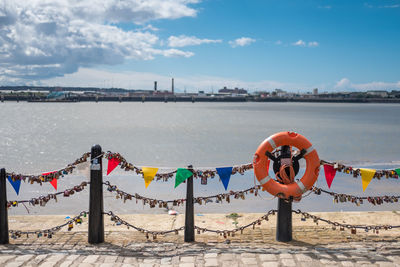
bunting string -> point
(42, 200)
(356, 172)
(201, 172)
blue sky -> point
(204, 45)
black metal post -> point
(284, 221)
(4, 239)
(189, 214)
(96, 217)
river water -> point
(41, 137)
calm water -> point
(39, 137)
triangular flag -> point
(181, 175)
(225, 175)
(54, 183)
(397, 171)
(366, 177)
(148, 175)
(112, 163)
(15, 184)
(330, 173)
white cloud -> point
(313, 44)
(45, 38)
(279, 42)
(390, 6)
(243, 41)
(182, 40)
(304, 44)
(299, 43)
(325, 7)
(346, 85)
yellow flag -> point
(148, 175)
(366, 177)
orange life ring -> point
(261, 165)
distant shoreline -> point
(194, 99)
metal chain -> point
(42, 200)
(177, 202)
(53, 175)
(338, 197)
(119, 221)
(342, 226)
(49, 232)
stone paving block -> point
(110, 259)
(270, 264)
(146, 264)
(210, 255)
(288, 262)
(66, 264)
(153, 261)
(166, 265)
(227, 257)
(47, 264)
(285, 256)
(230, 264)
(23, 258)
(166, 260)
(211, 262)
(385, 264)
(247, 255)
(90, 259)
(347, 263)
(267, 257)
(113, 264)
(71, 258)
(187, 259)
(303, 257)
(55, 258)
(4, 258)
(249, 261)
(129, 260)
(186, 264)
(85, 264)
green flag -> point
(397, 171)
(181, 175)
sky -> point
(332, 45)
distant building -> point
(378, 93)
(236, 91)
(315, 91)
(280, 93)
(201, 93)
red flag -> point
(330, 173)
(112, 164)
(54, 183)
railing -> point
(96, 210)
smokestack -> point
(172, 85)
(155, 85)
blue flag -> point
(225, 175)
(15, 184)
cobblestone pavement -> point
(312, 246)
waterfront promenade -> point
(313, 245)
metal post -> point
(284, 221)
(96, 217)
(189, 214)
(4, 239)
